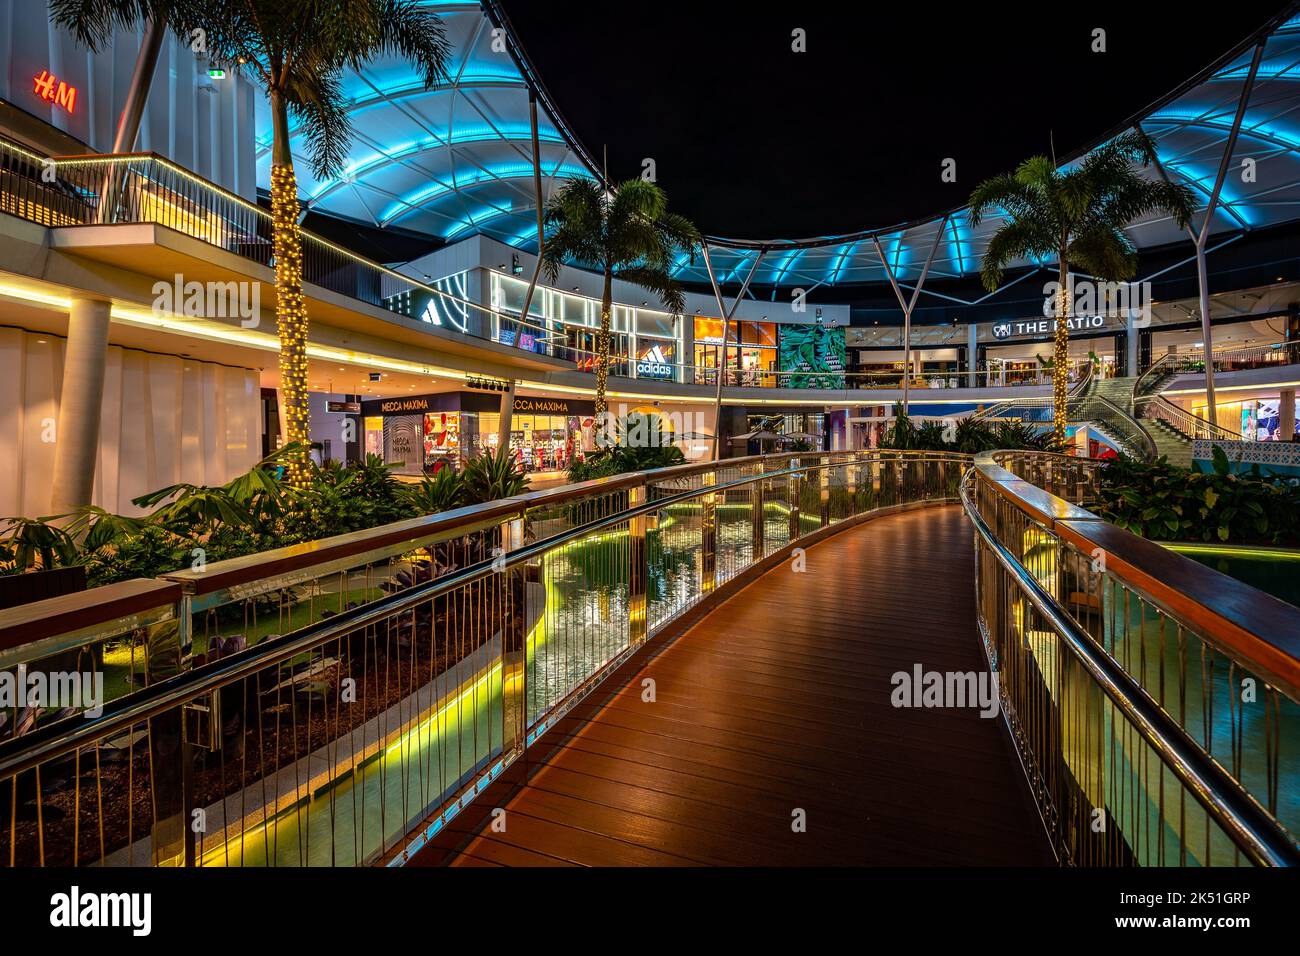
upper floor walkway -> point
(112, 227)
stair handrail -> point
(1149, 403)
(1139, 441)
(997, 408)
(1186, 423)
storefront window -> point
(751, 352)
(538, 443)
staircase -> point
(1170, 443)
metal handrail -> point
(1149, 403)
(1251, 827)
(1252, 356)
(1180, 419)
(1268, 640)
(1139, 440)
(53, 740)
(1135, 438)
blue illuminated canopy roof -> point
(1191, 129)
(456, 160)
(449, 161)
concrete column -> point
(1286, 415)
(972, 355)
(76, 446)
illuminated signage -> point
(553, 405)
(53, 90)
(405, 405)
(653, 363)
(1040, 327)
(353, 408)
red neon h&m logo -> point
(53, 90)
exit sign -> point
(53, 90)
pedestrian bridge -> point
(846, 658)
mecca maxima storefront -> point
(420, 434)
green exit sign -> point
(217, 73)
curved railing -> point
(1150, 404)
(338, 702)
(1153, 701)
(1010, 407)
(1158, 408)
(1226, 359)
(1129, 435)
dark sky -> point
(753, 140)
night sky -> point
(753, 140)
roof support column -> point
(726, 322)
(1200, 238)
(909, 305)
(541, 230)
(128, 124)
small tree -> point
(628, 234)
(297, 50)
(1077, 216)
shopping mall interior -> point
(422, 381)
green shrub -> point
(640, 444)
(1164, 502)
(968, 435)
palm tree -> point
(626, 234)
(1077, 216)
(297, 50)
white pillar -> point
(76, 441)
(972, 355)
(1286, 415)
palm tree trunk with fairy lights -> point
(1061, 355)
(602, 345)
(290, 307)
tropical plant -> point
(297, 50)
(492, 476)
(627, 234)
(443, 492)
(967, 435)
(1164, 502)
(1078, 216)
(640, 444)
(28, 543)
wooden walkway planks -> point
(780, 699)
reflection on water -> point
(354, 820)
(582, 625)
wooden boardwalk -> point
(779, 702)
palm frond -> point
(92, 22)
(1024, 238)
(1105, 251)
(659, 282)
(316, 100)
(411, 31)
